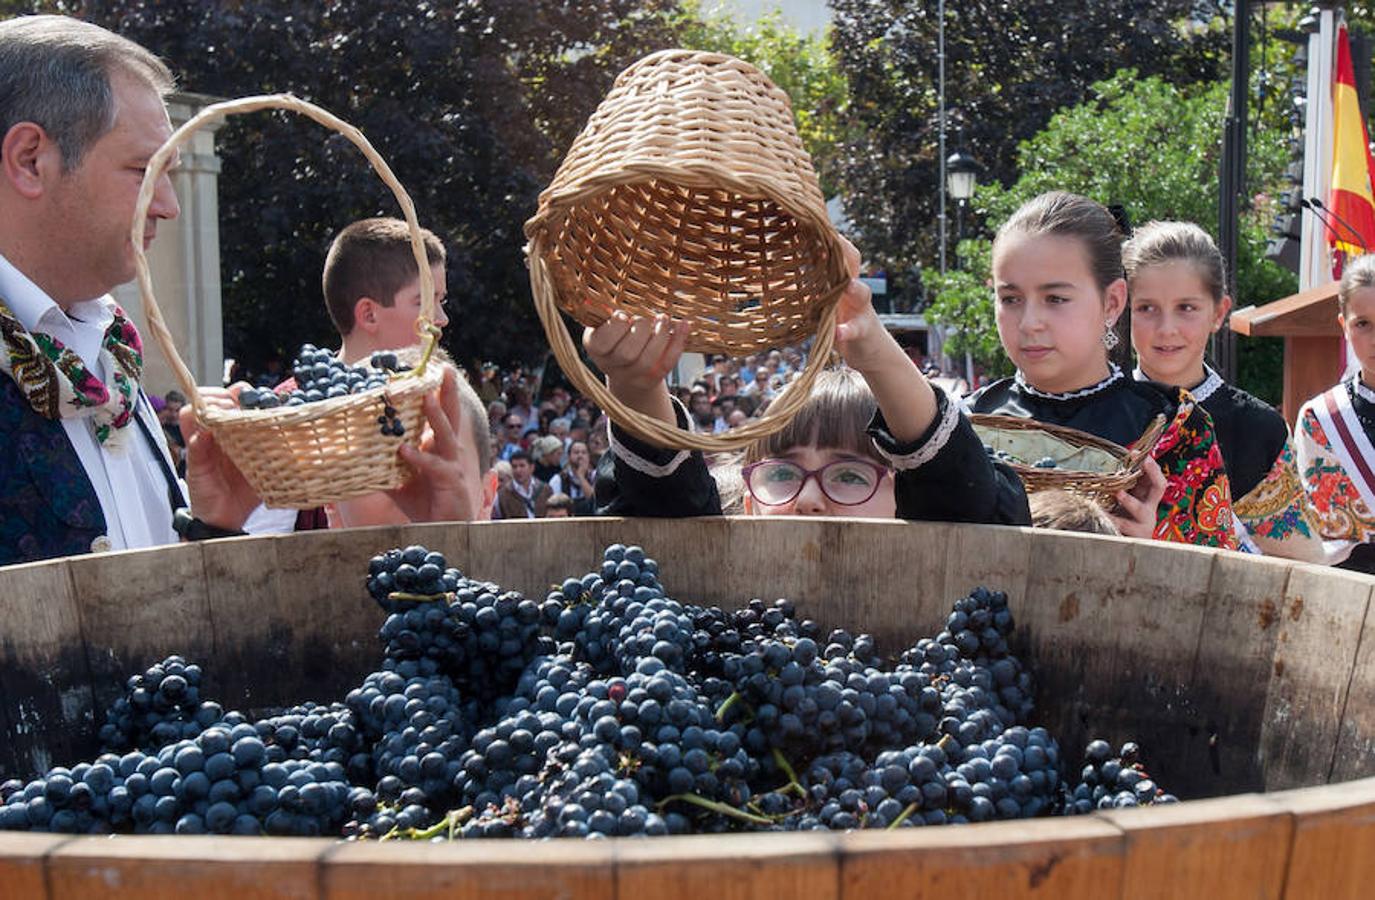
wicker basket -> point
(689, 194)
(305, 456)
(1086, 464)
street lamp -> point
(962, 176)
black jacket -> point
(945, 475)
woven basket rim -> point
(1063, 432)
(556, 205)
(1102, 485)
(403, 386)
(664, 434)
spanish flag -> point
(1352, 199)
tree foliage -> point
(472, 103)
(800, 64)
(1011, 64)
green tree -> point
(800, 64)
(963, 302)
(1147, 144)
(471, 102)
(1011, 64)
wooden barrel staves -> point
(1248, 681)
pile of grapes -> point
(320, 375)
(608, 709)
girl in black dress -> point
(1057, 270)
(1176, 284)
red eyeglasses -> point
(845, 482)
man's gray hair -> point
(55, 72)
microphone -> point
(1333, 213)
(1327, 225)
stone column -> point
(185, 262)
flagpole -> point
(1232, 175)
(1314, 264)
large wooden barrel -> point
(1248, 681)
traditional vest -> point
(47, 504)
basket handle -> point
(667, 434)
(1142, 446)
(214, 113)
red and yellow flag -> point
(1352, 198)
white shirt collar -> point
(1361, 390)
(37, 311)
(1201, 391)
(1114, 375)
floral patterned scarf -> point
(58, 384)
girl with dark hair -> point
(1178, 296)
(1336, 432)
(1057, 271)
(875, 439)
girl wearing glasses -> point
(876, 439)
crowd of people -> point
(547, 440)
(105, 466)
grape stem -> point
(726, 705)
(416, 598)
(793, 784)
(716, 807)
(906, 813)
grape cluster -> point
(220, 782)
(474, 632)
(321, 375)
(609, 709)
(1015, 775)
(317, 733)
(158, 707)
(1114, 782)
(978, 625)
(584, 797)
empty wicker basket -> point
(689, 194)
(301, 457)
(1084, 463)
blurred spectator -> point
(560, 428)
(560, 506)
(578, 431)
(547, 454)
(489, 384)
(496, 411)
(526, 496)
(503, 470)
(597, 443)
(700, 408)
(575, 479)
(513, 429)
(518, 404)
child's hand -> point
(1136, 512)
(636, 354)
(860, 336)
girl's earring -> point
(1110, 338)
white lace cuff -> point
(934, 443)
(644, 466)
